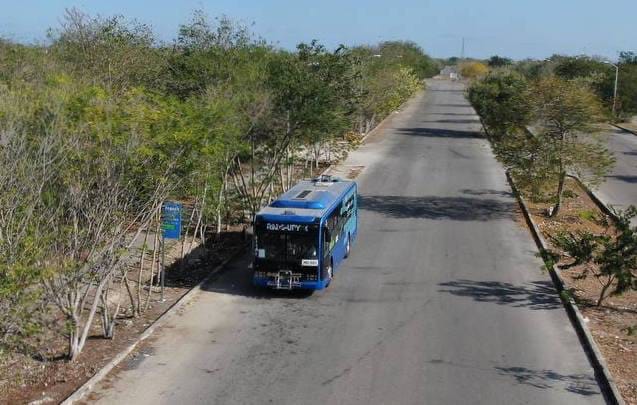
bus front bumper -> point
(286, 281)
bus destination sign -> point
(287, 227)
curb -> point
(632, 131)
(79, 393)
(609, 388)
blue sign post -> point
(170, 229)
(171, 220)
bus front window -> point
(281, 246)
(301, 247)
(271, 245)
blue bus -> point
(302, 236)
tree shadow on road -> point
(626, 179)
(453, 105)
(581, 384)
(453, 208)
(236, 279)
(484, 191)
(454, 121)
(536, 295)
(452, 114)
(440, 133)
(445, 91)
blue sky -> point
(514, 28)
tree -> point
(543, 130)
(382, 86)
(532, 69)
(206, 54)
(408, 55)
(311, 94)
(112, 52)
(573, 67)
(499, 61)
(565, 113)
(502, 100)
(473, 70)
(615, 254)
(627, 88)
(26, 227)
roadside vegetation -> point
(544, 121)
(544, 129)
(104, 123)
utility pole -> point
(462, 51)
(615, 89)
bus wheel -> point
(348, 247)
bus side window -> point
(348, 208)
(334, 226)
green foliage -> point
(542, 130)
(407, 55)
(473, 70)
(564, 113)
(386, 76)
(587, 215)
(532, 69)
(570, 68)
(614, 255)
(567, 295)
(313, 88)
(502, 101)
(619, 254)
(627, 86)
(630, 330)
(580, 246)
(498, 61)
(112, 52)
(593, 72)
(549, 258)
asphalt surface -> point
(443, 300)
(620, 186)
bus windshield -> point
(286, 246)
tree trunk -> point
(282, 179)
(78, 341)
(135, 306)
(290, 167)
(560, 190)
(140, 277)
(108, 320)
(289, 161)
(153, 263)
(602, 294)
(192, 215)
(218, 212)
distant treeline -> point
(597, 72)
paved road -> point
(620, 187)
(442, 301)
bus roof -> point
(307, 200)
